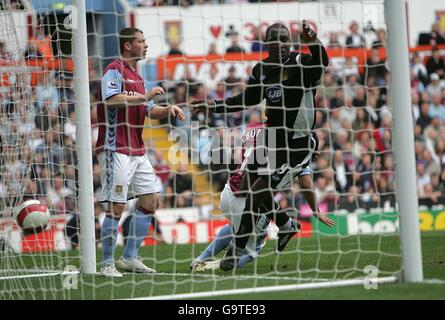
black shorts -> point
(280, 167)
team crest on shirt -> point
(118, 189)
(112, 85)
(274, 93)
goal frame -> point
(398, 59)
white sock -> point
(286, 226)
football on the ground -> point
(32, 216)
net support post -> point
(403, 144)
(83, 139)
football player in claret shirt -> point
(126, 171)
(287, 81)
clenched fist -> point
(307, 34)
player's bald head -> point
(278, 42)
(276, 32)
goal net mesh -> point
(213, 48)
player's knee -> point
(305, 183)
(116, 209)
(150, 204)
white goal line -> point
(330, 284)
(39, 275)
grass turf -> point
(305, 260)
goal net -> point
(196, 50)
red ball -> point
(32, 216)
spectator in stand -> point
(334, 43)
(69, 128)
(4, 53)
(422, 178)
(212, 79)
(436, 86)
(343, 174)
(329, 87)
(232, 79)
(375, 67)
(179, 189)
(213, 49)
(220, 92)
(349, 68)
(200, 93)
(351, 201)
(359, 97)
(257, 43)
(418, 68)
(432, 38)
(189, 81)
(46, 91)
(234, 41)
(436, 63)
(350, 86)
(339, 99)
(437, 109)
(355, 39)
(161, 167)
(175, 47)
(380, 42)
(366, 173)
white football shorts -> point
(125, 177)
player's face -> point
(139, 46)
(279, 44)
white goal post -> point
(403, 142)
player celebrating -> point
(126, 171)
(232, 202)
(287, 81)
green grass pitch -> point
(305, 260)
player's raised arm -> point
(317, 60)
(249, 97)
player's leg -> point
(114, 180)
(108, 235)
(256, 242)
(221, 242)
(140, 223)
(258, 194)
(307, 189)
(232, 207)
(144, 186)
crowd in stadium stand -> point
(355, 164)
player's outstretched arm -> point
(249, 97)
(308, 191)
(318, 59)
(158, 112)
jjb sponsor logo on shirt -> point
(274, 94)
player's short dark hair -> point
(274, 27)
(127, 35)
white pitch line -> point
(26, 276)
(330, 284)
(229, 277)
